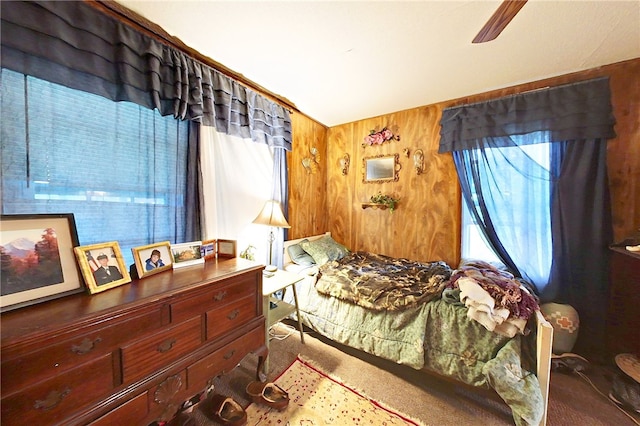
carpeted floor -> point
(431, 400)
(318, 399)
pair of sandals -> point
(268, 394)
(228, 412)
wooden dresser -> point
(133, 354)
(623, 321)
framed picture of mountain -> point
(37, 259)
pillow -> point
(324, 249)
(299, 256)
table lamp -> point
(272, 216)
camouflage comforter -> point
(382, 283)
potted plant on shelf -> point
(385, 200)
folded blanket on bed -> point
(506, 290)
(380, 282)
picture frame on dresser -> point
(152, 258)
(209, 249)
(187, 254)
(227, 248)
(102, 266)
(38, 263)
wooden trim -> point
(145, 26)
(544, 342)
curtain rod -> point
(575, 83)
(142, 24)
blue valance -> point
(576, 111)
(74, 44)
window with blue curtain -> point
(120, 168)
(514, 184)
(533, 172)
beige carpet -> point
(433, 401)
(319, 399)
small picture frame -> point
(28, 277)
(102, 266)
(226, 248)
(187, 254)
(208, 249)
(152, 258)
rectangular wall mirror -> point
(381, 168)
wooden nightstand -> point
(280, 280)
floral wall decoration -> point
(380, 137)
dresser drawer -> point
(156, 351)
(231, 316)
(53, 400)
(56, 359)
(131, 412)
(238, 287)
(224, 359)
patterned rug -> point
(317, 399)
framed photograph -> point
(187, 254)
(152, 258)
(37, 259)
(208, 249)
(102, 266)
(226, 248)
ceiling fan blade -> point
(499, 20)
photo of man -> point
(106, 273)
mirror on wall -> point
(381, 168)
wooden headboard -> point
(286, 260)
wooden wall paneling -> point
(623, 152)
(425, 224)
(439, 237)
(340, 204)
(307, 191)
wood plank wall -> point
(426, 224)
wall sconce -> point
(418, 161)
(310, 164)
(345, 160)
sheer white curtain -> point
(237, 179)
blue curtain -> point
(280, 193)
(125, 172)
(507, 191)
(548, 219)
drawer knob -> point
(221, 295)
(166, 345)
(229, 354)
(53, 399)
(233, 314)
(85, 346)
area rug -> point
(317, 398)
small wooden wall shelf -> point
(374, 206)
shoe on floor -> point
(625, 392)
(226, 411)
(268, 394)
(568, 363)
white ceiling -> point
(343, 61)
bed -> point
(420, 324)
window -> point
(120, 168)
(518, 192)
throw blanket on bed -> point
(380, 282)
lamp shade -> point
(272, 215)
